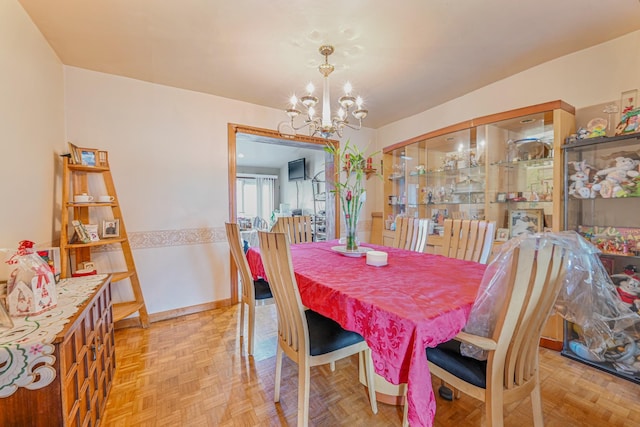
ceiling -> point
(403, 57)
(254, 150)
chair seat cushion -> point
(326, 335)
(447, 356)
(263, 291)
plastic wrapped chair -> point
(495, 357)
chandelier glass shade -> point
(326, 125)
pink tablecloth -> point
(416, 301)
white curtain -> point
(256, 196)
(266, 196)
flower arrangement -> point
(351, 191)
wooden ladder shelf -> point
(78, 179)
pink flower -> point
(349, 196)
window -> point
(255, 196)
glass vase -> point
(351, 238)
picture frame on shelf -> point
(502, 234)
(92, 229)
(628, 101)
(525, 221)
(110, 228)
(87, 156)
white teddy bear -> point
(579, 179)
(579, 187)
(615, 176)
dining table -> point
(417, 300)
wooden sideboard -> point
(84, 363)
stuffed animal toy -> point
(628, 288)
(614, 178)
(580, 186)
(578, 181)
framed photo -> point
(502, 235)
(110, 228)
(628, 101)
(501, 197)
(87, 156)
(525, 221)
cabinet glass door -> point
(602, 201)
(520, 172)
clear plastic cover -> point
(588, 299)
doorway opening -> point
(276, 150)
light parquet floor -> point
(193, 371)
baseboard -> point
(551, 344)
(134, 322)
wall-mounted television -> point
(297, 170)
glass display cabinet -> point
(520, 179)
(500, 167)
(437, 177)
(602, 201)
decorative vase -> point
(351, 206)
(352, 229)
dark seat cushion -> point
(326, 335)
(447, 356)
(263, 291)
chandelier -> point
(326, 125)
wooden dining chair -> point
(466, 239)
(510, 372)
(306, 337)
(420, 240)
(411, 234)
(298, 228)
(254, 292)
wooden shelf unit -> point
(75, 179)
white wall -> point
(591, 76)
(31, 132)
(168, 154)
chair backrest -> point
(235, 245)
(411, 234)
(404, 232)
(466, 239)
(421, 235)
(292, 326)
(260, 223)
(298, 228)
(534, 281)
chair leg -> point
(241, 318)
(304, 377)
(251, 326)
(536, 403)
(332, 366)
(405, 412)
(494, 407)
(276, 393)
(370, 380)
